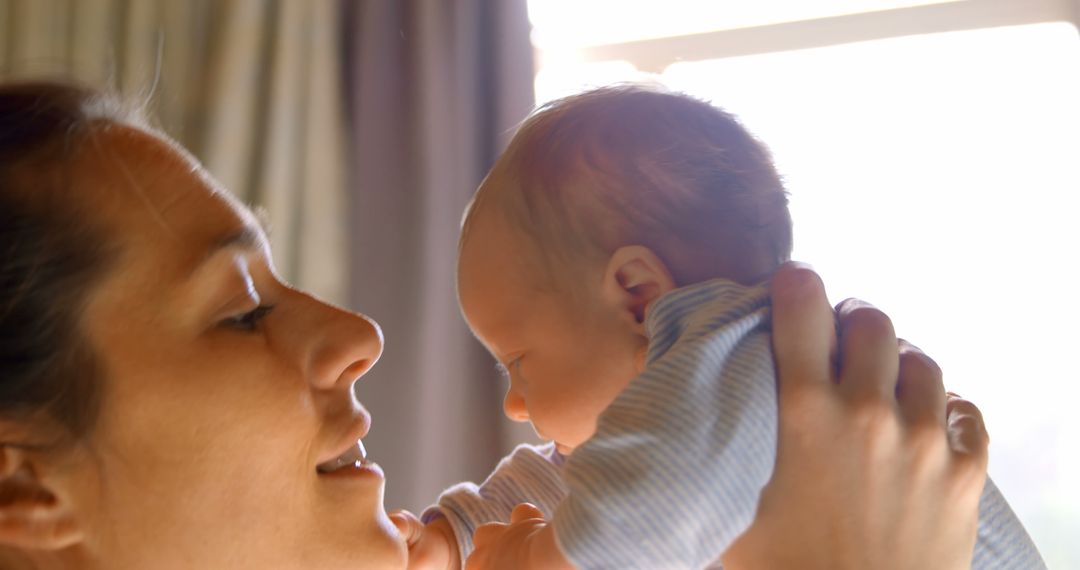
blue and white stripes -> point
(531, 474)
(1002, 542)
(673, 474)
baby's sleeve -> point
(530, 474)
(1002, 542)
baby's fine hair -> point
(641, 165)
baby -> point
(614, 262)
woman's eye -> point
(249, 321)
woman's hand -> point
(876, 466)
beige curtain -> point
(436, 88)
(252, 87)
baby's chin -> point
(563, 448)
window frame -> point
(655, 55)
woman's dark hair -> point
(50, 257)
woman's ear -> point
(32, 515)
(635, 277)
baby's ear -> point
(32, 516)
(636, 277)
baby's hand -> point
(527, 543)
(431, 547)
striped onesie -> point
(674, 471)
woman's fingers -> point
(967, 433)
(919, 388)
(868, 352)
(864, 475)
(804, 328)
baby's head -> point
(603, 202)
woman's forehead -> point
(148, 191)
(146, 177)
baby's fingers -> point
(488, 533)
(524, 512)
(408, 525)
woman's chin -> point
(363, 531)
(382, 546)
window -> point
(931, 151)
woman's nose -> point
(341, 346)
(349, 355)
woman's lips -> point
(353, 457)
(349, 449)
(352, 462)
(352, 471)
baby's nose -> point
(514, 406)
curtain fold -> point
(252, 87)
(435, 91)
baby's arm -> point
(530, 474)
(431, 546)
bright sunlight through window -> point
(560, 24)
(935, 176)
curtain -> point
(435, 89)
(252, 87)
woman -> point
(168, 402)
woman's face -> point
(224, 388)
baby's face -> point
(567, 359)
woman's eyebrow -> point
(247, 237)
